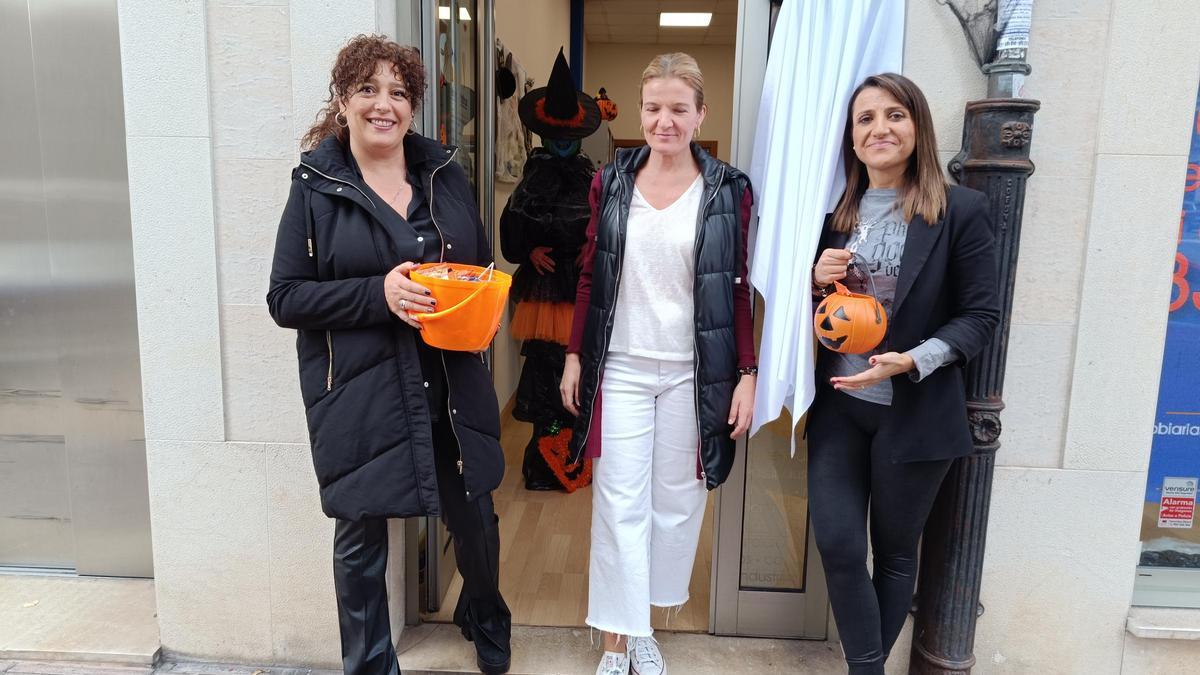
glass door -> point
(768, 580)
(455, 35)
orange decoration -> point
(539, 111)
(608, 109)
(554, 450)
(543, 320)
(850, 323)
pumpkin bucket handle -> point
(859, 263)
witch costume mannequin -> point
(542, 230)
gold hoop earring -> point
(339, 118)
(410, 132)
(696, 133)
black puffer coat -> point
(360, 375)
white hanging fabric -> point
(820, 51)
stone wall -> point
(1117, 80)
(217, 95)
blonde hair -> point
(678, 65)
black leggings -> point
(360, 550)
(850, 480)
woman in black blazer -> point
(886, 424)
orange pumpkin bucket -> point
(470, 300)
(850, 323)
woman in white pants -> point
(662, 335)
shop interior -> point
(545, 532)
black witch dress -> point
(549, 207)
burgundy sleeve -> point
(583, 292)
(743, 324)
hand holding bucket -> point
(848, 322)
(469, 311)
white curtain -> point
(820, 51)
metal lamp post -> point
(994, 160)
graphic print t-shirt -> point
(878, 242)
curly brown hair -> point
(355, 64)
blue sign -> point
(1175, 451)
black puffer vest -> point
(718, 252)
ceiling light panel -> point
(685, 19)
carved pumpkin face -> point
(850, 323)
(608, 109)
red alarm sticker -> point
(1177, 507)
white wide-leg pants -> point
(647, 504)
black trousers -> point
(360, 563)
(852, 482)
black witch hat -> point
(558, 110)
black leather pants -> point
(360, 563)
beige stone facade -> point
(217, 94)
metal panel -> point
(77, 61)
(35, 512)
(72, 452)
(485, 127)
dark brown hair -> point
(924, 188)
(355, 64)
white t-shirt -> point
(654, 314)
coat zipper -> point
(695, 349)
(329, 375)
(445, 370)
(450, 412)
(441, 238)
(608, 321)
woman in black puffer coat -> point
(398, 428)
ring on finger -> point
(403, 304)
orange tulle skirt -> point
(549, 321)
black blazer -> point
(947, 289)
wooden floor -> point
(544, 541)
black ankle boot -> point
(491, 638)
(481, 613)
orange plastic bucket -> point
(469, 311)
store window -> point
(1169, 567)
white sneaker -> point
(613, 663)
(644, 657)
